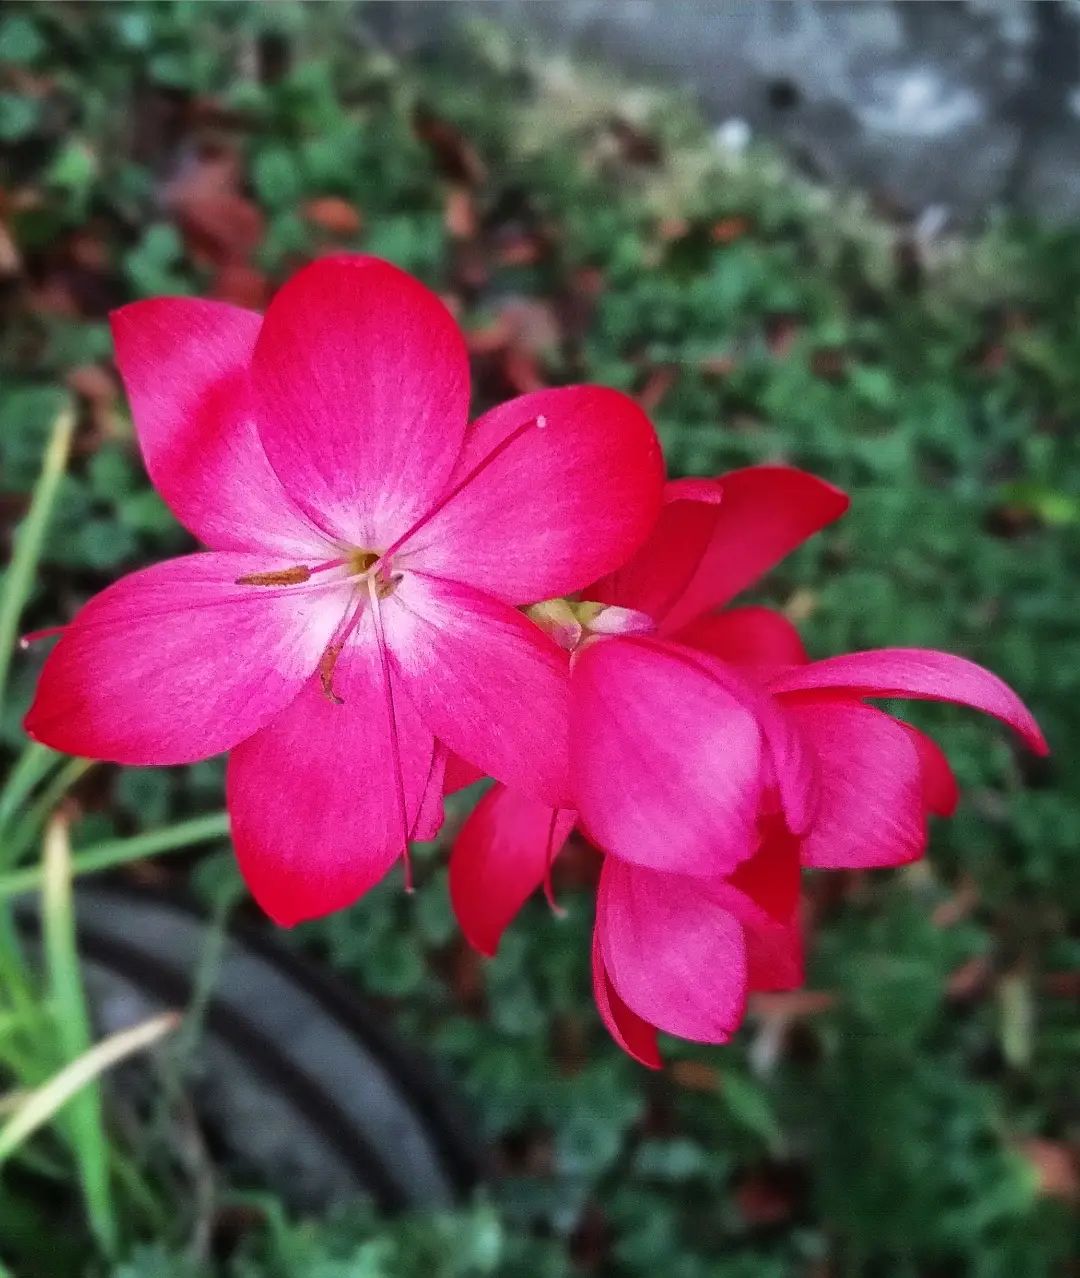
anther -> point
(327, 662)
(282, 577)
(34, 635)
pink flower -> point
(671, 748)
(711, 757)
(355, 618)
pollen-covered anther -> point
(386, 585)
(327, 664)
(294, 576)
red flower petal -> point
(561, 505)
(749, 636)
(793, 771)
(485, 680)
(769, 884)
(313, 797)
(666, 762)
(177, 662)
(459, 773)
(662, 569)
(940, 791)
(429, 819)
(185, 366)
(500, 857)
(361, 383)
(920, 673)
(764, 513)
(870, 806)
(636, 1037)
(675, 952)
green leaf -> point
(20, 40)
(83, 1120)
(18, 580)
(277, 177)
(18, 117)
(749, 1104)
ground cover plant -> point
(910, 1112)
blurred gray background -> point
(952, 105)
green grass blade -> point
(32, 766)
(113, 852)
(20, 575)
(84, 1121)
(15, 983)
(25, 833)
(45, 1102)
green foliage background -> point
(888, 1134)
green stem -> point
(14, 973)
(31, 766)
(19, 577)
(112, 852)
(82, 1122)
(28, 829)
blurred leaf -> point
(18, 117)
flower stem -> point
(26, 831)
(82, 1119)
(31, 767)
(18, 579)
(112, 852)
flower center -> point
(570, 622)
(359, 561)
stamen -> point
(330, 563)
(534, 423)
(282, 577)
(328, 661)
(557, 618)
(35, 635)
(294, 576)
(395, 745)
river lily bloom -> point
(673, 751)
(356, 618)
(706, 749)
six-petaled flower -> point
(356, 615)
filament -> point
(549, 861)
(395, 746)
(328, 661)
(35, 635)
(537, 423)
